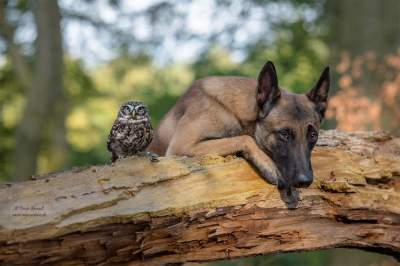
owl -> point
(131, 132)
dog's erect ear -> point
(319, 93)
(267, 89)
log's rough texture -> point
(199, 209)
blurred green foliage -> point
(10, 97)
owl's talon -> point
(152, 156)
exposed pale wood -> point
(199, 209)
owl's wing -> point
(151, 134)
(112, 135)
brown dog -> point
(273, 129)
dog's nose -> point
(304, 180)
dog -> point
(273, 129)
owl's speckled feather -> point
(131, 132)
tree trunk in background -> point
(365, 40)
(46, 91)
(58, 152)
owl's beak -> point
(134, 115)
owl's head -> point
(134, 110)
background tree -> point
(43, 88)
(365, 38)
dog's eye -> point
(312, 135)
(284, 134)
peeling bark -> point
(181, 209)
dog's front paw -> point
(271, 175)
(266, 167)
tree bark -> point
(136, 212)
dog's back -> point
(236, 96)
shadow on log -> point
(201, 209)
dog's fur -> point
(273, 129)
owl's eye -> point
(126, 110)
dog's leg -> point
(241, 144)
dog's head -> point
(288, 125)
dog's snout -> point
(304, 180)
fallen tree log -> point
(181, 209)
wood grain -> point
(136, 212)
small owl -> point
(131, 132)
